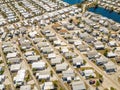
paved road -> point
(43, 58)
(6, 68)
(90, 87)
(107, 79)
(29, 69)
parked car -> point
(81, 73)
(92, 82)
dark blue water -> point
(73, 1)
(99, 10)
(106, 13)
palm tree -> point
(96, 6)
(79, 5)
(111, 9)
(118, 12)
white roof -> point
(64, 49)
(60, 67)
(78, 42)
(78, 85)
(2, 77)
(102, 59)
(110, 65)
(89, 72)
(110, 54)
(51, 55)
(112, 43)
(68, 73)
(26, 87)
(56, 60)
(48, 85)
(57, 42)
(33, 58)
(10, 55)
(29, 53)
(15, 67)
(43, 76)
(2, 86)
(32, 34)
(20, 76)
(78, 59)
(39, 64)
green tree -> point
(90, 76)
(97, 83)
(105, 53)
(27, 78)
(84, 62)
(55, 83)
(106, 89)
(1, 72)
(42, 80)
(112, 88)
(100, 76)
(70, 57)
(62, 59)
(79, 5)
(51, 73)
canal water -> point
(99, 10)
(73, 1)
(106, 13)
